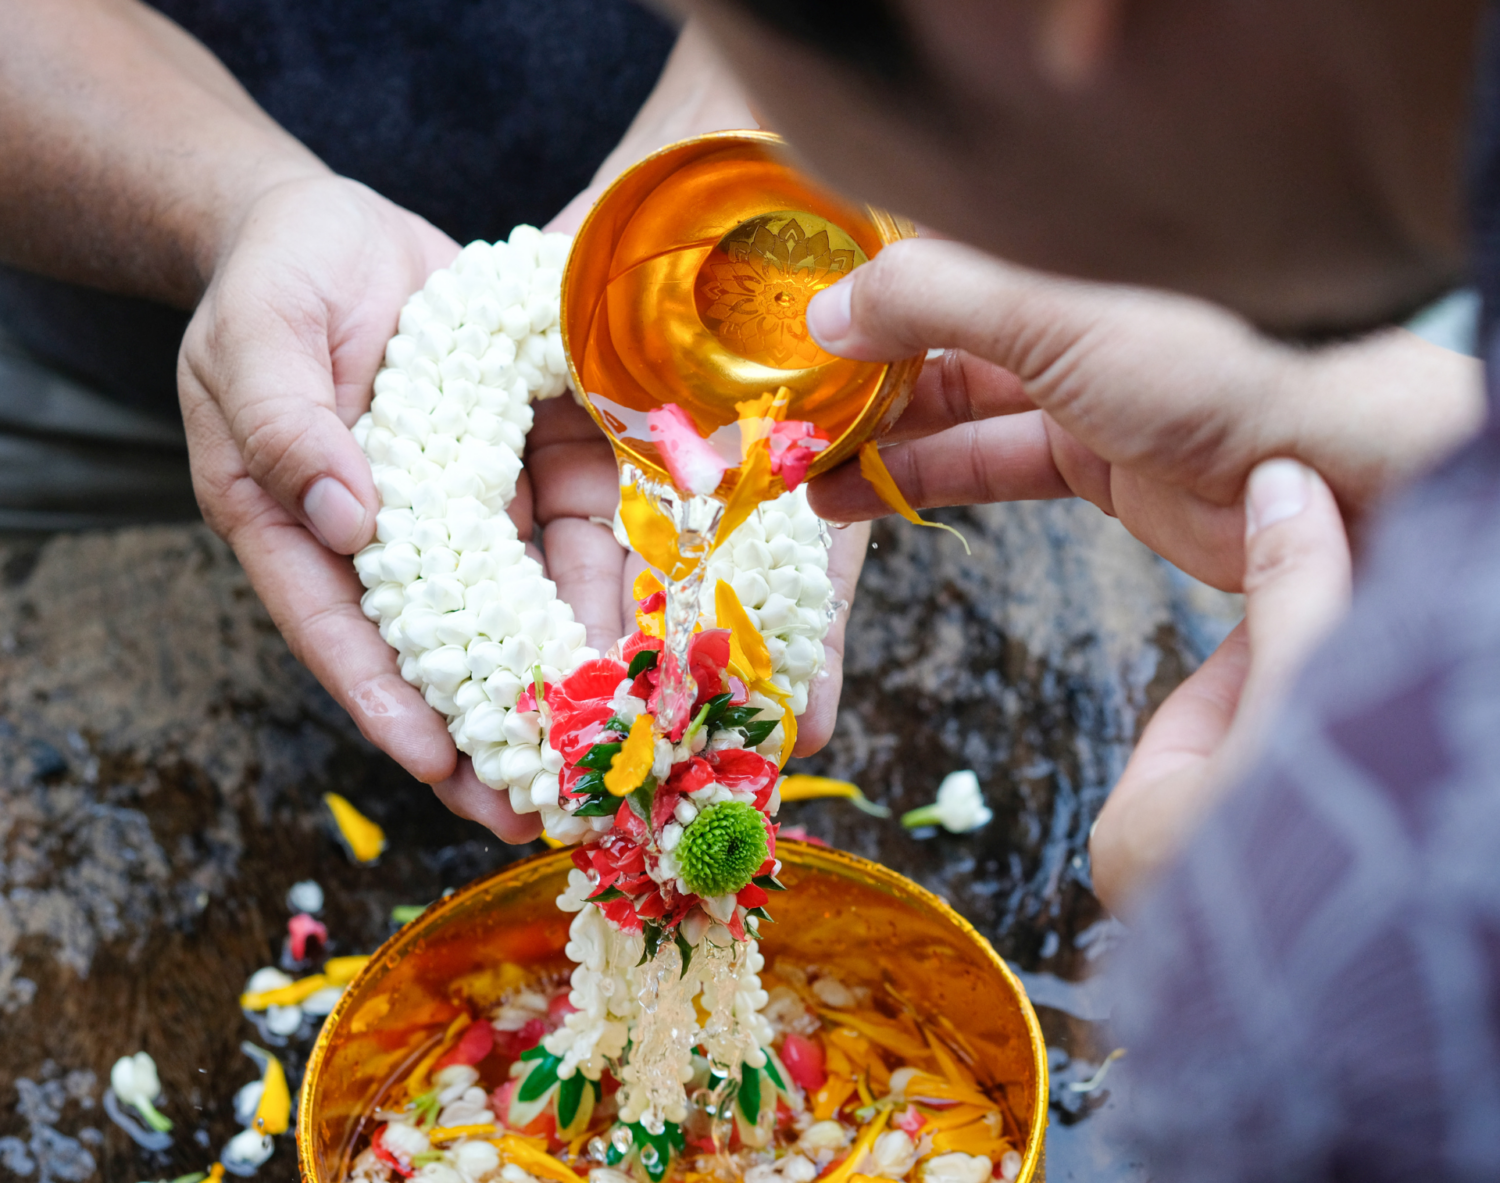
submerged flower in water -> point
(959, 807)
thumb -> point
(1297, 578)
(922, 294)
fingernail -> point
(830, 314)
(335, 514)
(1277, 490)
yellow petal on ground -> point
(873, 469)
(215, 1173)
(652, 534)
(274, 1112)
(846, 1169)
(365, 839)
(630, 765)
(290, 995)
(341, 970)
(451, 1133)
(754, 486)
(731, 614)
(536, 1162)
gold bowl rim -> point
(805, 855)
(883, 408)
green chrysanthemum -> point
(722, 849)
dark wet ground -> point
(162, 761)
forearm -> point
(128, 154)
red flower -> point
(751, 896)
(794, 444)
(476, 1042)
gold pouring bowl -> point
(870, 925)
(688, 283)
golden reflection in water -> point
(688, 284)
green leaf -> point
(533, 1053)
(540, 1078)
(717, 705)
(768, 883)
(569, 1095)
(739, 716)
(755, 733)
(685, 949)
(609, 893)
(640, 799)
(645, 660)
(760, 914)
(602, 805)
(404, 914)
(653, 934)
(613, 1155)
(598, 1090)
(770, 1070)
(750, 1093)
(600, 756)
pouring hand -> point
(1153, 407)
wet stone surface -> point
(163, 760)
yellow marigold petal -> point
(452, 1133)
(948, 1063)
(754, 487)
(651, 533)
(788, 736)
(646, 585)
(285, 995)
(975, 1138)
(537, 1162)
(844, 1172)
(628, 768)
(759, 415)
(215, 1173)
(873, 469)
(366, 840)
(886, 1034)
(274, 1112)
(754, 657)
(831, 1097)
(341, 970)
(416, 1083)
(810, 788)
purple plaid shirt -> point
(1313, 992)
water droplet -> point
(654, 1125)
(649, 1157)
(598, 1148)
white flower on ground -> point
(246, 1152)
(136, 1084)
(957, 1167)
(959, 807)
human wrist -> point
(268, 177)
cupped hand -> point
(1153, 407)
(1208, 731)
(276, 366)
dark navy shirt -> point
(476, 114)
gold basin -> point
(864, 920)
